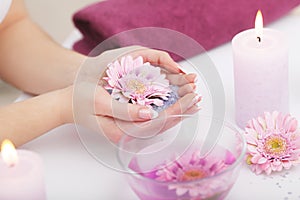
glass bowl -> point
(150, 163)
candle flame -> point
(259, 25)
(9, 153)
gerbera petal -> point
(292, 126)
(257, 127)
(172, 187)
(296, 151)
(269, 120)
(193, 191)
(255, 158)
(279, 121)
(287, 124)
(268, 171)
(274, 118)
(262, 160)
(116, 70)
(158, 102)
(277, 166)
(276, 163)
(252, 149)
(265, 166)
(251, 139)
(229, 158)
(122, 64)
(181, 191)
(251, 131)
(287, 164)
(262, 122)
(257, 169)
(138, 62)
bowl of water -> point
(170, 164)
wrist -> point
(65, 105)
(77, 61)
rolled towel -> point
(210, 23)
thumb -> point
(105, 105)
(132, 112)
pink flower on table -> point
(131, 80)
(273, 142)
(193, 167)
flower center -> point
(193, 175)
(275, 146)
(136, 85)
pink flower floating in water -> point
(131, 80)
(190, 168)
(273, 142)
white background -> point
(71, 173)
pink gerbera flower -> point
(131, 80)
(273, 142)
(193, 167)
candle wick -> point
(259, 39)
(11, 165)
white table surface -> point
(71, 173)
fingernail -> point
(199, 102)
(180, 70)
(198, 107)
(192, 78)
(194, 101)
(194, 88)
(200, 98)
(148, 114)
(196, 79)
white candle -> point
(21, 175)
(260, 72)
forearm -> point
(23, 121)
(31, 60)
(34, 62)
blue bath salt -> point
(171, 99)
(166, 103)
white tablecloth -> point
(71, 173)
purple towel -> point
(210, 23)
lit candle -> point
(260, 58)
(21, 175)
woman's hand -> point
(155, 57)
(123, 118)
(113, 118)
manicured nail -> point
(180, 70)
(148, 114)
(196, 79)
(200, 99)
(192, 78)
(198, 108)
(194, 88)
(198, 104)
(195, 100)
